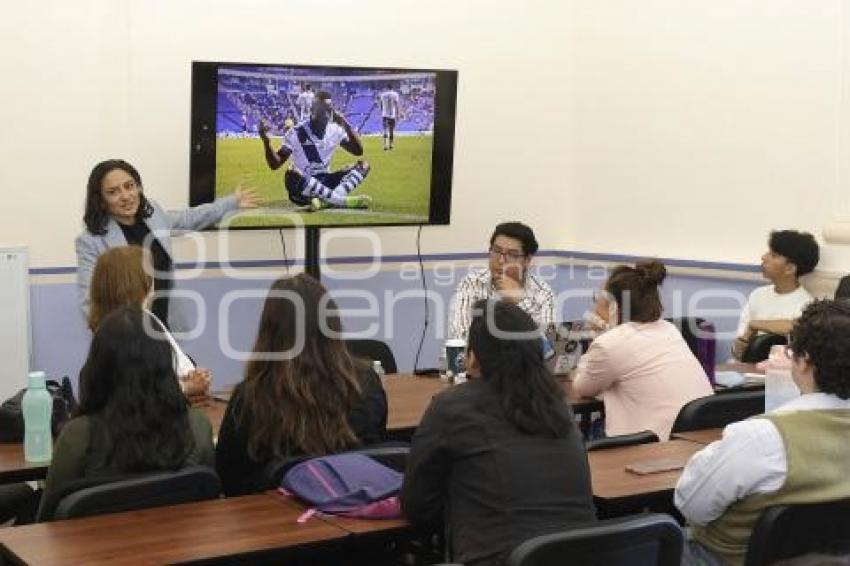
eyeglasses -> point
(508, 256)
(126, 185)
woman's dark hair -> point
(96, 215)
(507, 344)
(822, 336)
(298, 403)
(799, 248)
(128, 386)
(517, 231)
(635, 290)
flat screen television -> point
(315, 143)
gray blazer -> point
(162, 224)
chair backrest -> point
(391, 454)
(843, 290)
(699, 335)
(643, 437)
(193, 483)
(786, 531)
(373, 350)
(717, 411)
(273, 473)
(759, 347)
(648, 539)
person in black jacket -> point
(499, 457)
(303, 393)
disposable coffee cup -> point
(455, 356)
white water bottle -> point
(37, 406)
(378, 368)
(442, 364)
(779, 386)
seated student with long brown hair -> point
(121, 277)
(499, 457)
(302, 393)
(640, 364)
(132, 417)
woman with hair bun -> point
(640, 364)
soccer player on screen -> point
(304, 102)
(311, 144)
(390, 110)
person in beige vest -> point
(797, 453)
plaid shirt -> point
(538, 302)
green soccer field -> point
(399, 182)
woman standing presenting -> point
(117, 214)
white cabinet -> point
(15, 352)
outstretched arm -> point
(352, 145)
(273, 159)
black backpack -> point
(12, 415)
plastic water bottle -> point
(779, 386)
(37, 406)
(379, 369)
(442, 364)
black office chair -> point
(391, 454)
(716, 411)
(373, 350)
(96, 496)
(699, 335)
(759, 347)
(273, 473)
(648, 539)
(786, 531)
(643, 437)
(843, 290)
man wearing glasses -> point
(512, 247)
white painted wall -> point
(678, 128)
(95, 79)
(700, 126)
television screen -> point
(324, 146)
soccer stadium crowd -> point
(245, 101)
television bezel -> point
(202, 164)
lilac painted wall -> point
(60, 339)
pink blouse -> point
(645, 373)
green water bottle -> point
(38, 410)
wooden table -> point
(750, 383)
(245, 527)
(14, 468)
(408, 396)
(356, 526)
(740, 367)
(706, 436)
(611, 481)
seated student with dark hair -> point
(773, 308)
(797, 453)
(508, 278)
(640, 364)
(303, 393)
(132, 416)
(498, 457)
